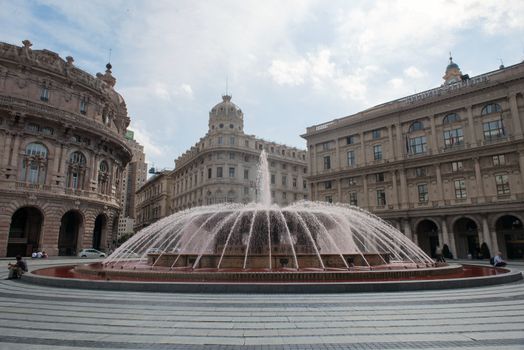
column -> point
(521, 165)
(440, 187)
(478, 178)
(445, 234)
(7, 151)
(339, 182)
(407, 230)
(14, 155)
(434, 144)
(472, 136)
(394, 200)
(403, 189)
(485, 233)
(314, 160)
(494, 243)
(391, 146)
(365, 189)
(452, 245)
(363, 149)
(337, 156)
(517, 126)
(400, 146)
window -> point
(272, 149)
(416, 126)
(350, 139)
(231, 155)
(375, 134)
(294, 182)
(221, 126)
(209, 171)
(327, 162)
(220, 140)
(328, 199)
(284, 180)
(423, 193)
(304, 184)
(381, 198)
(231, 172)
(377, 152)
(246, 143)
(246, 191)
(284, 166)
(453, 137)
(32, 127)
(379, 177)
(76, 170)
(83, 106)
(491, 108)
(493, 129)
(231, 126)
(273, 179)
(451, 118)
(420, 172)
(47, 130)
(246, 174)
(284, 195)
(351, 158)
(34, 163)
(352, 181)
(460, 189)
(103, 178)
(499, 160)
(502, 184)
(44, 94)
(417, 145)
(219, 171)
(327, 185)
(456, 166)
(326, 146)
(231, 140)
(353, 198)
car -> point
(91, 253)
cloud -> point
(414, 72)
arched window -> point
(76, 170)
(415, 126)
(451, 118)
(34, 163)
(103, 177)
(491, 108)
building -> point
(133, 177)
(62, 153)
(445, 166)
(153, 199)
(222, 165)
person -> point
(44, 255)
(438, 254)
(498, 261)
(18, 269)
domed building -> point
(62, 154)
(222, 167)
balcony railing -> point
(56, 190)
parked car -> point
(91, 253)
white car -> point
(91, 253)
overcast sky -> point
(289, 64)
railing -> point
(32, 186)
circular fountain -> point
(258, 246)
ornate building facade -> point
(445, 166)
(153, 199)
(222, 166)
(62, 153)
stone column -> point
(445, 234)
(472, 135)
(403, 189)
(16, 146)
(391, 146)
(394, 200)
(314, 161)
(339, 186)
(521, 165)
(363, 149)
(407, 231)
(478, 178)
(400, 145)
(452, 245)
(5, 151)
(440, 187)
(434, 144)
(365, 189)
(485, 232)
(337, 156)
(517, 126)
(494, 243)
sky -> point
(288, 64)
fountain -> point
(265, 248)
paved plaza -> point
(35, 317)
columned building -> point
(222, 166)
(62, 153)
(153, 199)
(445, 166)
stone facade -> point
(222, 165)
(154, 199)
(445, 166)
(62, 153)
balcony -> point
(32, 187)
(57, 191)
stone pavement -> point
(36, 317)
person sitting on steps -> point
(498, 261)
(18, 269)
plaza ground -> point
(36, 317)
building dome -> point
(227, 115)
